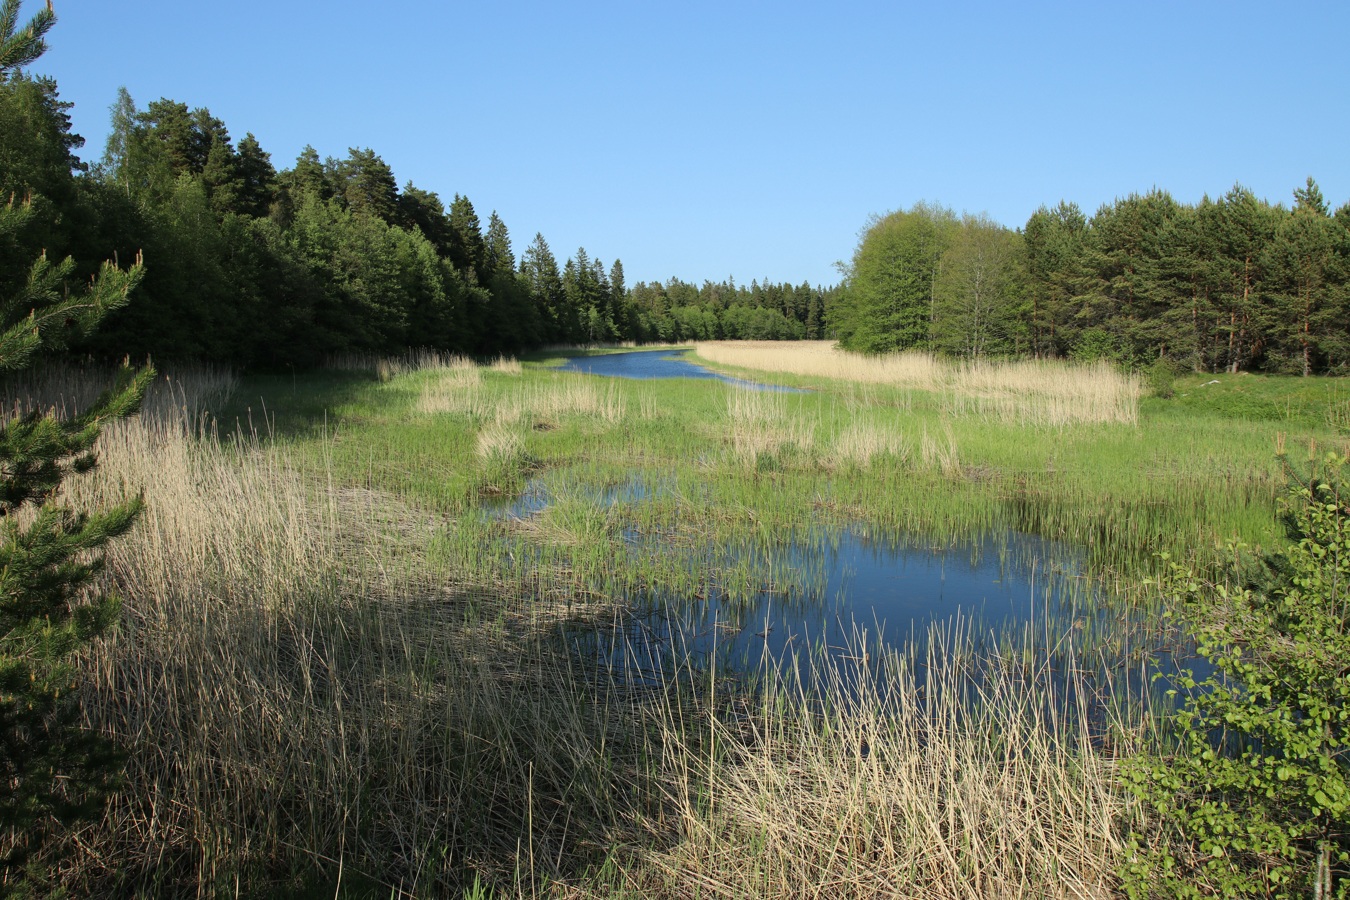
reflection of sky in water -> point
(896, 590)
(644, 364)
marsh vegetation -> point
(422, 625)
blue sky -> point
(752, 140)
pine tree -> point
(1301, 260)
(369, 185)
(540, 268)
(424, 210)
(257, 177)
(497, 246)
(467, 250)
(53, 771)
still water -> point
(644, 364)
(821, 592)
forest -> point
(1234, 284)
(259, 268)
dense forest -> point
(254, 267)
(1232, 284)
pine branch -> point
(19, 48)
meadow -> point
(383, 627)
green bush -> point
(1162, 377)
(1254, 799)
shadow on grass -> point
(294, 406)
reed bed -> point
(463, 391)
(940, 452)
(860, 444)
(506, 365)
(498, 441)
(320, 670)
(759, 425)
(182, 393)
(550, 402)
(1025, 392)
(300, 690)
(947, 776)
(388, 368)
(454, 390)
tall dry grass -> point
(759, 425)
(388, 367)
(181, 393)
(1022, 392)
(298, 686)
(462, 390)
(860, 444)
(952, 778)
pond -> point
(819, 594)
(646, 364)
(824, 592)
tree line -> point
(250, 266)
(1228, 284)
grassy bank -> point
(344, 665)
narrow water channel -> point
(645, 364)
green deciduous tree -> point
(889, 300)
(978, 291)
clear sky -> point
(752, 140)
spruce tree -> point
(52, 771)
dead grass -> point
(758, 425)
(861, 444)
(462, 390)
(1025, 392)
(299, 685)
(389, 367)
(902, 781)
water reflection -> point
(647, 364)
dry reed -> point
(298, 686)
(758, 425)
(1024, 392)
(453, 390)
(555, 400)
(389, 367)
(860, 444)
(949, 779)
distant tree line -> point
(250, 266)
(679, 311)
(1224, 285)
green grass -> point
(1197, 472)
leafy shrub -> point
(1162, 376)
(1256, 794)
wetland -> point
(600, 635)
